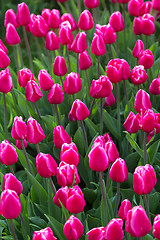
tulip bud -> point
(19, 128)
(24, 75)
(10, 17)
(99, 141)
(124, 208)
(10, 205)
(85, 21)
(137, 222)
(147, 122)
(33, 92)
(134, 7)
(91, 4)
(61, 197)
(111, 151)
(98, 159)
(137, 48)
(72, 83)
(156, 227)
(54, 19)
(67, 175)
(144, 179)
(98, 45)
(109, 35)
(146, 58)
(8, 154)
(101, 88)
(73, 228)
(12, 183)
(146, 7)
(55, 95)
(107, 137)
(45, 14)
(142, 101)
(116, 21)
(75, 202)
(45, 80)
(52, 41)
(46, 165)
(118, 171)
(156, 5)
(137, 26)
(79, 44)
(65, 33)
(114, 229)
(45, 233)
(138, 75)
(79, 111)
(12, 37)
(110, 100)
(60, 137)
(69, 154)
(98, 233)
(19, 145)
(132, 122)
(5, 81)
(155, 86)
(59, 66)
(3, 47)
(4, 59)
(85, 61)
(23, 14)
(35, 133)
(39, 27)
(148, 26)
(68, 17)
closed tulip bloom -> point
(91, 4)
(110, 100)
(73, 228)
(99, 141)
(59, 66)
(109, 35)
(45, 14)
(111, 151)
(45, 80)
(12, 37)
(144, 179)
(137, 48)
(156, 227)
(61, 197)
(60, 136)
(137, 25)
(145, 8)
(98, 159)
(24, 75)
(43, 234)
(79, 111)
(124, 208)
(85, 21)
(52, 41)
(5, 81)
(3, 47)
(72, 83)
(114, 229)
(10, 17)
(156, 5)
(19, 145)
(147, 122)
(148, 26)
(118, 171)
(98, 233)
(134, 7)
(107, 137)
(138, 75)
(8, 154)
(157, 122)
(10, 205)
(23, 14)
(98, 45)
(19, 128)
(39, 27)
(55, 95)
(146, 58)
(46, 165)
(69, 154)
(68, 17)
(33, 92)
(101, 88)
(54, 19)
(65, 33)
(85, 61)
(12, 183)
(137, 222)
(142, 101)
(79, 44)
(75, 202)
(154, 88)
(4, 59)
(67, 175)
(35, 133)
(132, 123)
(116, 21)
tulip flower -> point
(148, 26)
(79, 111)
(59, 67)
(39, 27)
(73, 228)
(138, 75)
(98, 45)
(142, 101)
(85, 21)
(60, 137)
(8, 154)
(116, 21)
(3, 47)
(65, 33)
(55, 95)
(52, 41)
(45, 14)
(61, 197)
(111, 151)
(154, 88)
(99, 141)
(68, 17)
(146, 7)
(10, 17)
(156, 5)
(4, 59)
(85, 61)
(134, 7)
(5, 81)
(118, 171)
(69, 154)
(23, 15)
(124, 208)
(24, 75)
(12, 183)
(91, 4)
(12, 37)
(114, 229)
(146, 58)
(54, 19)
(156, 227)
(147, 121)
(137, 25)
(45, 80)
(35, 133)
(132, 123)
(32, 91)
(45, 233)
(97, 233)
(72, 83)
(19, 128)
(137, 48)
(110, 100)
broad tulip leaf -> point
(57, 227)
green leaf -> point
(132, 161)
(148, 237)
(79, 140)
(152, 151)
(38, 221)
(57, 227)
(90, 194)
(93, 221)
(91, 127)
(50, 122)
(154, 201)
(22, 103)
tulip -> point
(110, 100)
(124, 208)
(98, 233)
(98, 45)
(54, 19)
(46, 165)
(39, 27)
(146, 58)
(147, 122)
(109, 35)
(19, 145)
(134, 7)
(138, 75)
(85, 21)
(91, 4)
(12, 37)
(137, 26)
(101, 88)
(60, 137)
(35, 133)
(69, 154)
(32, 91)
(65, 33)
(154, 88)
(24, 75)
(114, 229)
(79, 44)
(79, 111)
(52, 41)
(116, 21)
(8, 154)
(45, 80)
(137, 48)
(59, 66)
(73, 228)
(61, 196)
(10, 205)
(123, 1)
(45, 233)
(118, 172)
(107, 137)
(23, 14)
(55, 95)
(137, 222)
(10, 17)
(5, 81)
(68, 17)
(19, 128)
(145, 8)
(3, 47)
(132, 123)
(156, 227)
(142, 101)
(111, 151)
(99, 141)
(156, 5)
(72, 83)
(148, 26)
(45, 14)
(12, 183)
(85, 61)
(4, 59)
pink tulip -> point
(45, 14)
(68, 17)
(142, 101)
(137, 48)
(145, 8)
(156, 5)
(12, 183)
(33, 92)
(101, 88)
(10, 17)
(3, 47)
(148, 26)
(132, 123)
(60, 137)
(4, 59)
(46, 165)
(45, 233)
(111, 151)
(59, 66)
(5, 81)
(35, 133)
(79, 44)
(85, 61)
(107, 137)
(85, 21)
(69, 154)
(24, 75)
(23, 14)
(98, 233)
(72, 83)
(116, 21)
(109, 35)
(114, 229)
(154, 88)
(146, 58)
(147, 122)
(39, 27)
(54, 19)
(19, 128)
(55, 95)
(79, 111)
(45, 80)
(134, 7)
(99, 141)
(73, 228)
(8, 154)
(19, 145)
(110, 100)
(98, 45)
(91, 4)
(138, 75)
(65, 33)
(52, 41)
(118, 171)
(124, 208)
(156, 227)
(61, 197)
(12, 37)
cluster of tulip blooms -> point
(103, 155)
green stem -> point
(13, 230)
(73, 95)
(11, 169)
(107, 57)
(146, 203)
(145, 148)
(26, 156)
(84, 135)
(146, 38)
(79, 7)
(87, 78)
(117, 41)
(38, 148)
(77, 62)
(111, 52)
(57, 114)
(52, 186)
(104, 5)
(140, 238)
(24, 227)
(107, 180)
(98, 66)
(118, 109)
(117, 199)
(16, 58)
(102, 190)
(69, 63)
(5, 115)
(39, 48)
(61, 80)
(126, 95)
(54, 54)
(20, 55)
(38, 112)
(92, 105)
(101, 117)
